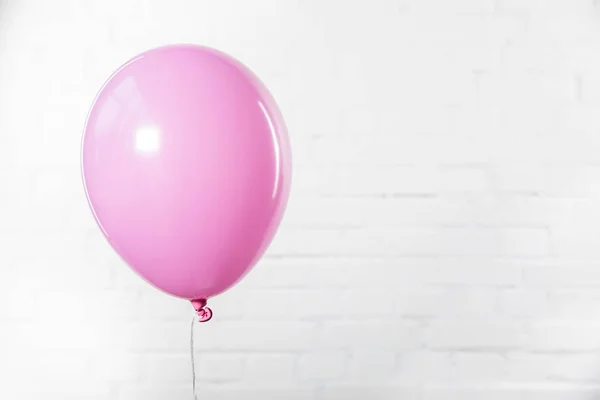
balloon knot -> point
(204, 313)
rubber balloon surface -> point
(187, 168)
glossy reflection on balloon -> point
(187, 168)
(147, 139)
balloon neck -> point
(204, 313)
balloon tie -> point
(204, 313)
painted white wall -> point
(443, 235)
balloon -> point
(187, 168)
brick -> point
(372, 334)
(103, 305)
(386, 150)
(562, 335)
(261, 393)
(523, 303)
(453, 301)
(412, 242)
(52, 370)
(506, 241)
(476, 271)
(233, 306)
(268, 336)
(150, 305)
(372, 366)
(322, 366)
(219, 367)
(423, 366)
(525, 178)
(18, 297)
(478, 367)
(173, 336)
(468, 393)
(372, 211)
(343, 271)
(500, 392)
(154, 392)
(482, 334)
(341, 392)
(367, 180)
(573, 181)
(286, 272)
(574, 241)
(464, 179)
(119, 367)
(557, 392)
(219, 392)
(467, 7)
(527, 367)
(357, 242)
(335, 304)
(169, 369)
(546, 8)
(579, 303)
(270, 369)
(562, 273)
(164, 369)
(269, 304)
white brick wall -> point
(442, 239)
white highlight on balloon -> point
(276, 146)
(147, 139)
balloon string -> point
(192, 354)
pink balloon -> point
(186, 165)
